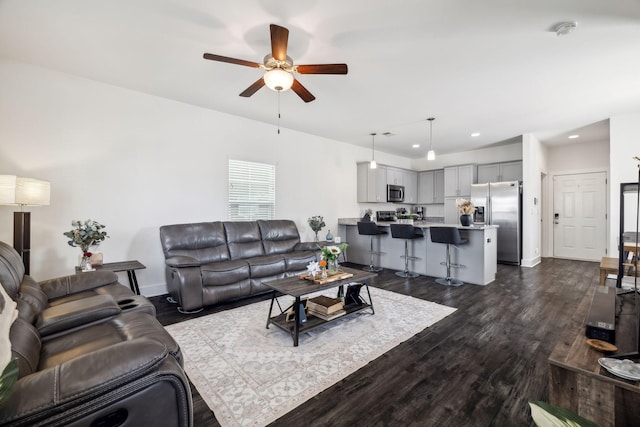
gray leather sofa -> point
(89, 352)
(211, 262)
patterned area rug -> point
(251, 376)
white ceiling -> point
(492, 66)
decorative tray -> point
(339, 275)
(626, 368)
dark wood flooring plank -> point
(478, 367)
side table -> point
(129, 266)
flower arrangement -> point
(86, 234)
(316, 223)
(465, 207)
(330, 253)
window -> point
(252, 191)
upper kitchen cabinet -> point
(458, 180)
(410, 182)
(431, 187)
(395, 176)
(372, 183)
(497, 172)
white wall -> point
(135, 162)
(533, 167)
(625, 144)
(502, 153)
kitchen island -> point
(478, 256)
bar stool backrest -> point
(405, 231)
(369, 229)
(449, 235)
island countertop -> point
(477, 257)
(419, 224)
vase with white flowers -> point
(330, 254)
(86, 235)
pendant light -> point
(373, 163)
(431, 155)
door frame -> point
(549, 196)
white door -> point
(579, 218)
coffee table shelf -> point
(297, 287)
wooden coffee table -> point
(297, 287)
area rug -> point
(250, 376)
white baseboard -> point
(154, 290)
(530, 262)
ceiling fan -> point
(279, 67)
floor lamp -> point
(20, 191)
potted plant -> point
(405, 218)
(316, 223)
(466, 210)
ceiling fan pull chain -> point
(279, 112)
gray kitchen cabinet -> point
(458, 180)
(395, 176)
(410, 182)
(497, 172)
(431, 187)
(372, 183)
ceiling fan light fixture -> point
(278, 80)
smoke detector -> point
(564, 28)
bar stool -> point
(451, 237)
(406, 232)
(370, 229)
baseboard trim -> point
(531, 262)
(154, 290)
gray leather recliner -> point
(90, 352)
(211, 262)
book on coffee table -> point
(323, 304)
(331, 316)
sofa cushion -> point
(297, 261)
(11, 270)
(266, 266)
(278, 236)
(224, 273)
(243, 239)
(204, 241)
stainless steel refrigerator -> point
(500, 203)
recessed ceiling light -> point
(416, 145)
(475, 134)
(574, 136)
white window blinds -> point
(252, 191)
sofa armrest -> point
(307, 246)
(59, 388)
(182, 261)
(63, 286)
(76, 313)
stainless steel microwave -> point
(395, 193)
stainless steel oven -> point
(395, 193)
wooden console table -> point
(129, 266)
(578, 383)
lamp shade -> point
(17, 190)
(278, 79)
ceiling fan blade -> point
(322, 69)
(253, 88)
(213, 57)
(302, 91)
(279, 41)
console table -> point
(578, 383)
(129, 266)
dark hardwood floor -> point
(478, 367)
